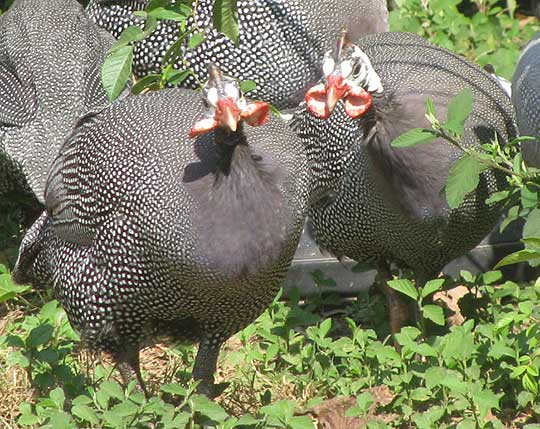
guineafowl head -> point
(226, 106)
(348, 76)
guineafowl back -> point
(279, 46)
(526, 99)
(378, 202)
(174, 230)
(50, 59)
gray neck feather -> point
(241, 213)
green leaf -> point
(431, 287)
(28, 420)
(463, 179)
(246, 420)
(165, 14)
(325, 327)
(519, 256)
(226, 19)
(129, 35)
(84, 412)
(195, 40)
(116, 71)
(460, 107)
(466, 424)
(404, 286)
(113, 389)
(301, 422)
(414, 137)
(363, 403)
(247, 86)
(420, 394)
(486, 400)
(208, 408)
(40, 335)
(498, 197)
(148, 81)
(174, 389)
(58, 397)
(434, 313)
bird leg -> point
(127, 362)
(205, 366)
(397, 308)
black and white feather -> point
(50, 58)
(281, 42)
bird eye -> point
(357, 69)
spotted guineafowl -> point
(526, 99)
(281, 42)
(148, 233)
(379, 204)
(50, 59)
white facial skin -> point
(356, 71)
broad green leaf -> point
(113, 389)
(532, 242)
(420, 394)
(247, 86)
(28, 420)
(195, 40)
(129, 35)
(58, 397)
(325, 327)
(404, 286)
(125, 409)
(247, 419)
(147, 82)
(531, 229)
(40, 335)
(414, 137)
(529, 196)
(301, 422)
(363, 403)
(460, 107)
(498, 197)
(519, 256)
(226, 19)
(486, 400)
(176, 77)
(466, 423)
(208, 408)
(84, 412)
(166, 14)
(431, 287)
(463, 179)
(116, 71)
(434, 313)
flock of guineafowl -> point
(177, 213)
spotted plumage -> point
(382, 204)
(50, 57)
(280, 43)
(149, 233)
(526, 99)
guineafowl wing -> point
(18, 102)
(414, 176)
(526, 99)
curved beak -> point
(228, 113)
(335, 90)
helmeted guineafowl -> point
(281, 42)
(526, 99)
(50, 59)
(149, 233)
(380, 204)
